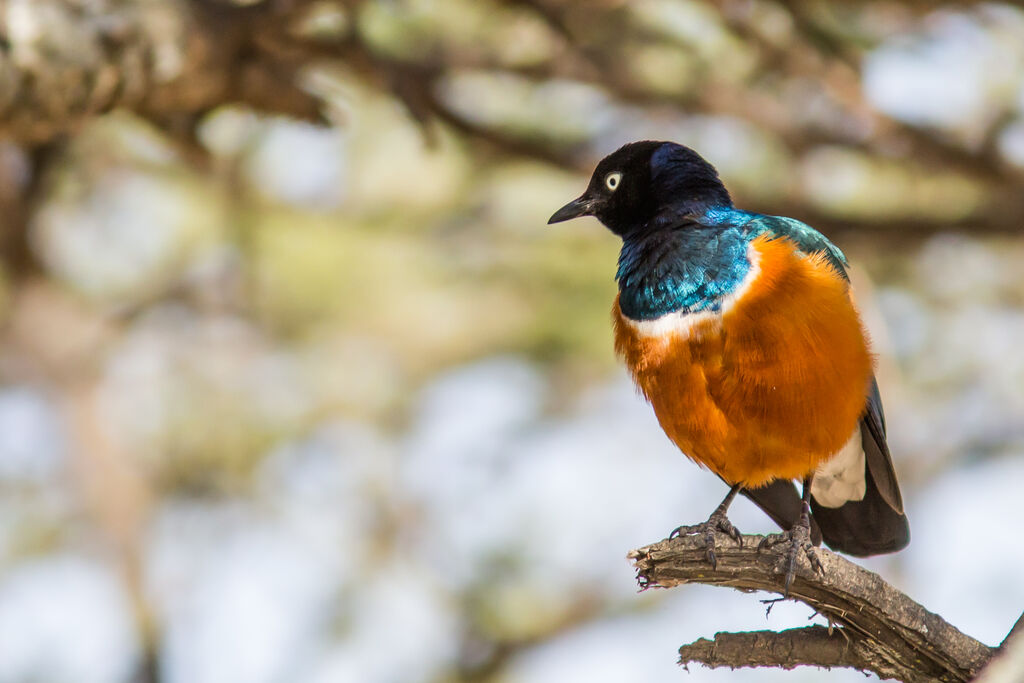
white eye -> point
(612, 180)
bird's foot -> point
(716, 522)
(799, 540)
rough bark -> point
(810, 646)
(880, 628)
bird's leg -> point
(799, 539)
(716, 522)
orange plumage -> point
(740, 330)
(773, 385)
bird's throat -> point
(686, 269)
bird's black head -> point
(644, 180)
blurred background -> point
(297, 385)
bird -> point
(741, 331)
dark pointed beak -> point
(581, 206)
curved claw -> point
(710, 555)
(790, 573)
(798, 539)
(717, 522)
(816, 564)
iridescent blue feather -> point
(690, 263)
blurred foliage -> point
(329, 401)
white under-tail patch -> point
(840, 479)
(682, 324)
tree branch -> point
(62, 62)
(886, 631)
(810, 646)
(174, 61)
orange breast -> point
(768, 388)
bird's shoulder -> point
(807, 239)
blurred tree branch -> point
(63, 62)
(878, 628)
(21, 179)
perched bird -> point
(740, 330)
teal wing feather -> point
(809, 240)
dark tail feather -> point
(875, 524)
(863, 527)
